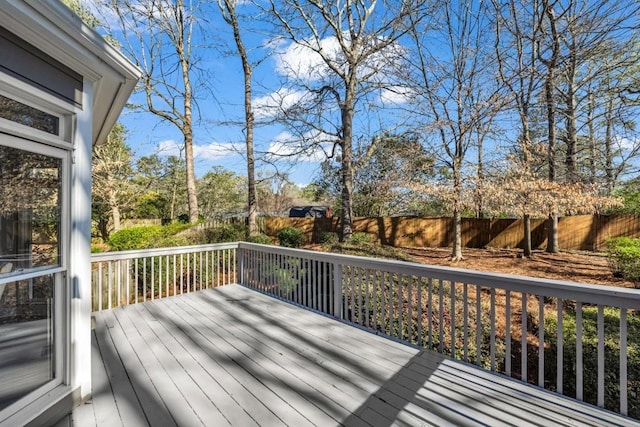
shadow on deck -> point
(232, 356)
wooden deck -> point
(232, 356)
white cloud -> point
(627, 144)
(396, 95)
(270, 105)
(311, 147)
(297, 61)
(212, 151)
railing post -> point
(239, 265)
(337, 290)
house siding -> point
(25, 62)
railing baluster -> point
(100, 286)
(579, 360)
(153, 278)
(453, 318)
(344, 272)
(174, 275)
(523, 340)
(419, 314)
(109, 278)
(430, 312)
(492, 340)
(507, 341)
(135, 275)
(375, 283)
(560, 347)
(540, 341)
(465, 322)
(383, 303)
(478, 326)
(128, 269)
(623, 362)
(410, 309)
(440, 316)
(160, 277)
(400, 310)
(182, 273)
(600, 355)
(119, 281)
(366, 297)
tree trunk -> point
(552, 233)
(527, 236)
(608, 146)
(114, 206)
(456, 253)
(572, 135)
(252, 202)
(347, 161)
(593, 172)
(549, 86)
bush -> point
(291, 237)
(623, 254)
(232, 232)
(328, 238)
(360, 238)
(154, 236)
(259, 238)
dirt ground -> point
(585, 267)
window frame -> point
(22, 137)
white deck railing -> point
(129, 277)
(577, 340)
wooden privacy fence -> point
(580, 232)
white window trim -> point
(25, 138)
(20, 91)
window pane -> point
(26, 337)
(28, 116)
(30, 192)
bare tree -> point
(228, 9)
(352, 41)
(518, 26)
(158, 37)
(112, 190)
(456, 95)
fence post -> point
(337, 290)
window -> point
(18, 112)
(33, 198)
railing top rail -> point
(145, 253)
(589, 293)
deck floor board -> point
(233, 356)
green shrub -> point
(262, 239)
(232, 232)
(328, 238)
(153, 236)
(136, 238)
(623, 254)
(291, 237)
(360, 238)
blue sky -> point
(218, 143)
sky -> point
(216, 142)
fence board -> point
(580, 232)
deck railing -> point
(573, 339)
(581, 341)
(129, 277)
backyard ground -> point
(575, 266)
(586, 267)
